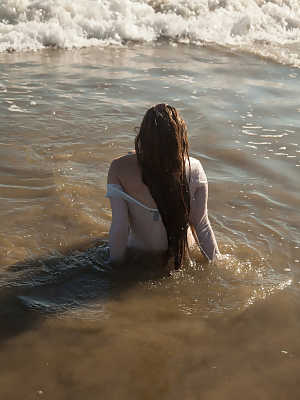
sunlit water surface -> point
(207, 331)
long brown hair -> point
(161, 147)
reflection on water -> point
(214, 329)
(80, 282)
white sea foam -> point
(270, 28)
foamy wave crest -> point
(270, 28)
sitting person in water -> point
(158, 194)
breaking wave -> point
(269, 28)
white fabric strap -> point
(115, 190)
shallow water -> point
(213, 332)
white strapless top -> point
(115, 190)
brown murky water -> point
(211, 332)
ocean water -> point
(268, 28)
(75, 80)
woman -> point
(158, 194)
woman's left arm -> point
(118, 234)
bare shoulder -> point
(121, 166)
(123, 161)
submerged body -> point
(136, 222)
